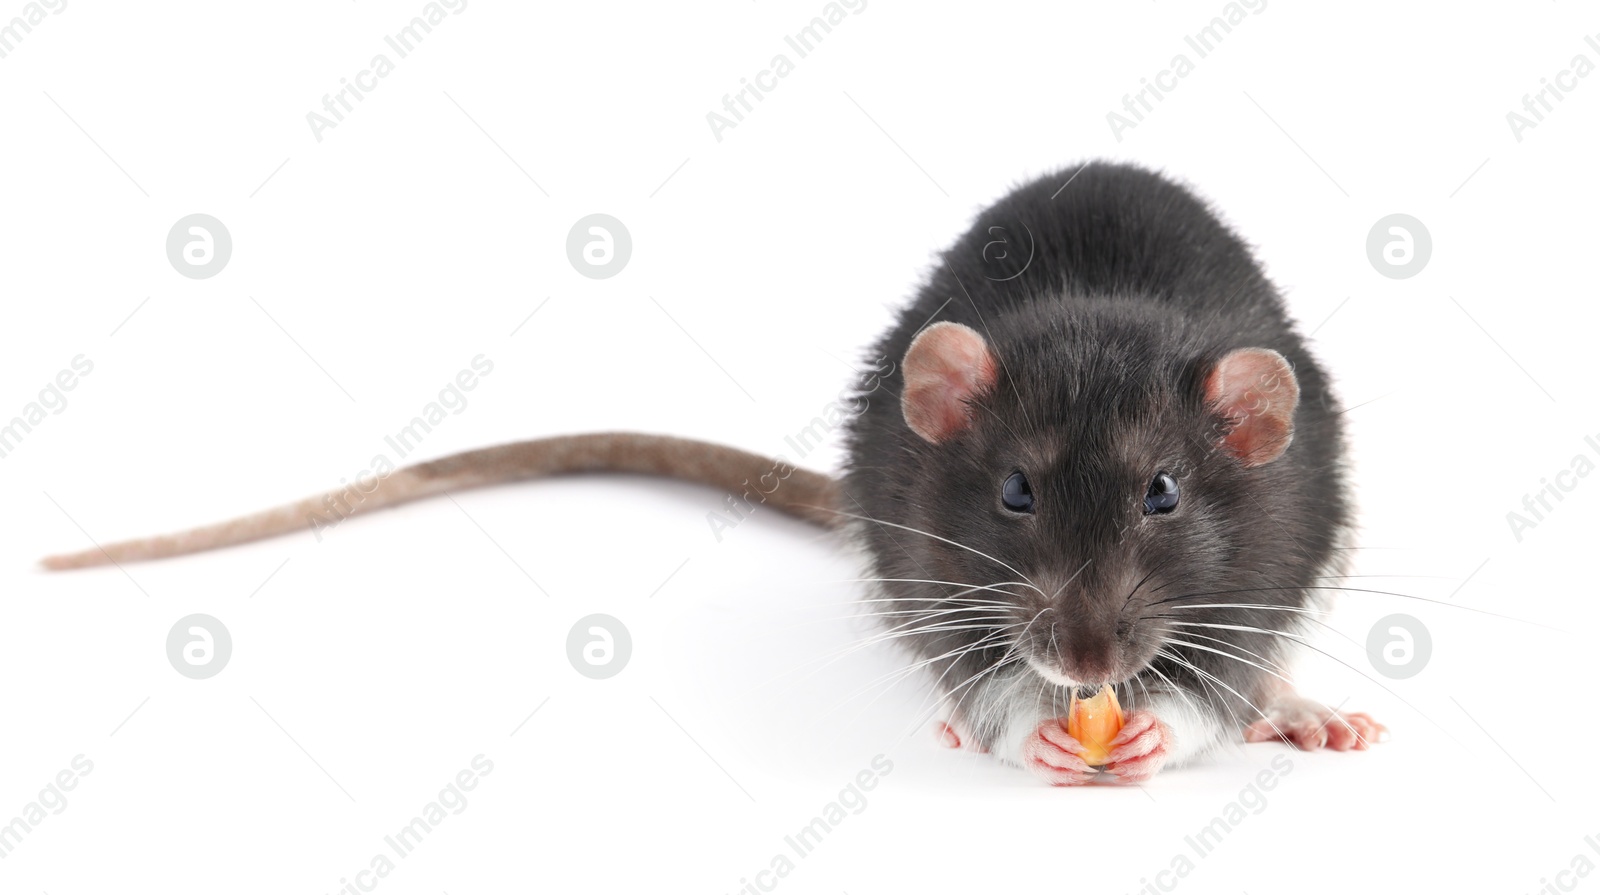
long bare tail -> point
(802, 493)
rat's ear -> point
(1255, 391)
(947, 365)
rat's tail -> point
(808, 495)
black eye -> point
(1016, 494)
(1162, 496)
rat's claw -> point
(1310, 725)
(1055, 756)
(1140, 749)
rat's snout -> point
(1086, 642)
(1088, 653)
(1077, 650)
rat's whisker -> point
(1218, 652)
(1302, 641)
(1269, 606)
(1142, 581)
(908, 630)
(1219, 682)
(971, 587)
(930, 534)
(901, 674)
(1355, 590)
(1182, 694)
(1236, 646)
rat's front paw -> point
(1055, 756)
(1308, 725)
(1140, 749)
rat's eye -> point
(1016, 494)
(1162, 497)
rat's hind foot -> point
(1055, 756)
(948, 736)
(1306, 724)
(951, 736)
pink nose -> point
(1088, 655)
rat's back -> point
(1101, 230)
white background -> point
(422, 231)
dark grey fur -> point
(1106, 306)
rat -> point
(1102, 458)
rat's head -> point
(1092, 473)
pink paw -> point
(947, 735)
(952, 738)
(1140, 748)
(1055, 756)
(1311, 725)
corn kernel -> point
(1094, 723)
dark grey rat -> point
(1103, 457)
(1115, 452)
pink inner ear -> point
(1256, 391)
(946, 366)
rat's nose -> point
(1088, 655)
(1087, 641)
